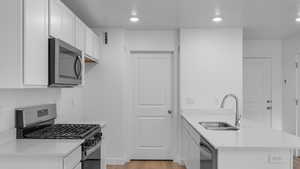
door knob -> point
(170, 111)
(269, 108)
(269, 101)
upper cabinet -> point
(26, 27)
(65, 25)
(92, 46)
(96, 46)
(24, 50)
(35, 42)
(80, 37)
(62, 22)
(89, 42)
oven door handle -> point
(87, 153)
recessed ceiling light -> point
(217, 19)
(134, 19)
(298, 19)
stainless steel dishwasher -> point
(208, 155)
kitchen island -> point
(251, 147)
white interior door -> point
(152, 121)
(258, 90)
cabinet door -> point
(89, 42)
(68, 26)
(55, 12)
(80, 35)
(62, 22)
(96, 46)
(35, 42)
(195, 154)
(185, 146)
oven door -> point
(65, 64)
(92, 158)
(208, 155)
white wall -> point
(270, 49)
(13, 98)
(102, 94)
(210, 66)
(107, 94)
(291, 46)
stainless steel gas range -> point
(38, 122)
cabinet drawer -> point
(73, 159)
(191, 131)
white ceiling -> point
(261, 19)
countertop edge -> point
(77, 144)
(224, 147)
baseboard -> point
(177, 159)
(115, 161)
(124, 160)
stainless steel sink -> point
(218, 126)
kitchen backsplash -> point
(68, 103)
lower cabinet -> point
(73, 159)
(190, 147)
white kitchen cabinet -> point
(65, 25)
(55, 18)
(24, 48)
(190, 147)
(35, 42)
(185, 147)
(62, 22)
(89, 42)
(92, 48)
(68, 25)
(96, 46)
(80, 35)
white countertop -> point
(248, 136)
(39, 147)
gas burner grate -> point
(63, 131)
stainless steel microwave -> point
(65, 64)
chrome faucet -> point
(237, 113)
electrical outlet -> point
(189, 100)
(277, 158)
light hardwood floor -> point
(164, 165)
(297, 163)
(147, 165)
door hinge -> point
(296, 64)
(297, 102)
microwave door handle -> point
(80, 67)
(75, 67)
